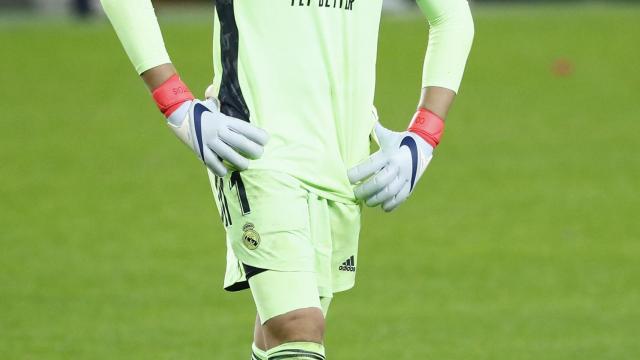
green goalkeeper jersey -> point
(305, 72)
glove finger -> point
(367, 168)
(388, 192)
(210, 93)
(241, 143)
(395, 201)
(227, 153)
(374, 185)
(251, 132)
(382, 133)
(213, 163)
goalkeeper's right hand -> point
(213, 136)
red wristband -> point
(428, 126)
(171, 94)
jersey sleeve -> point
(137, 27)
(450, 37)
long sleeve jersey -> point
(303, 70)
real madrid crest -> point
(250, 237)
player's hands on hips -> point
(389, 176)
(214, 137)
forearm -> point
(158, 75)
(437, 100)
(137, 27)
(450, 37)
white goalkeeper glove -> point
(214, 137)
(389, 176)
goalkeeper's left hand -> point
(389, 176)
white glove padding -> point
(215, 137)
(392, 172)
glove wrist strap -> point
(428, 126)
(171, 94)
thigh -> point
(335, 228)
(276, 293)
(266, 219)
(345, 233)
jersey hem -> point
(328, 195)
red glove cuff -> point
(428, 126)
(171, 94)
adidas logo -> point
(349, 265)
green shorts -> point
(274, 222)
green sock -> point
(257, 354)
(297, 351)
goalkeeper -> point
(284, 132)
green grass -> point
(522, 241)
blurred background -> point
(522, 242)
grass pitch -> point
(521, 242)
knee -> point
(298, 325)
